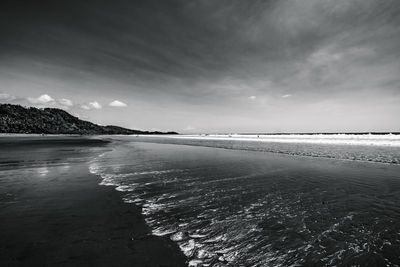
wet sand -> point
(54, 213)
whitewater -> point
(334, 139)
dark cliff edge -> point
(18, 119)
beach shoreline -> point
(65, 218)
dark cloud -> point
(208, 52)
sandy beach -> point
(54, 213)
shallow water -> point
(349, 148)
(229, 207)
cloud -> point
(65, 102)
(117, 103)
(40, 101)
(202, 58)
(43, 99)
(6, 97)
(84, 106)
(95, 105)
(91, 105)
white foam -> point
(151, 207)
(337, 139)
(178, 236)
(188, 247)
(215, 239)
(125, 188)
(195, 263)
(94, 168)
(107, 183)
(197, 236)
(154, 172)
(161, 232)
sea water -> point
(255, 203)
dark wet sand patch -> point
(67, 219)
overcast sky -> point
(207, 66)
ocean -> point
(259, 201)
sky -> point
(207, 66)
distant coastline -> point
(16, 119)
